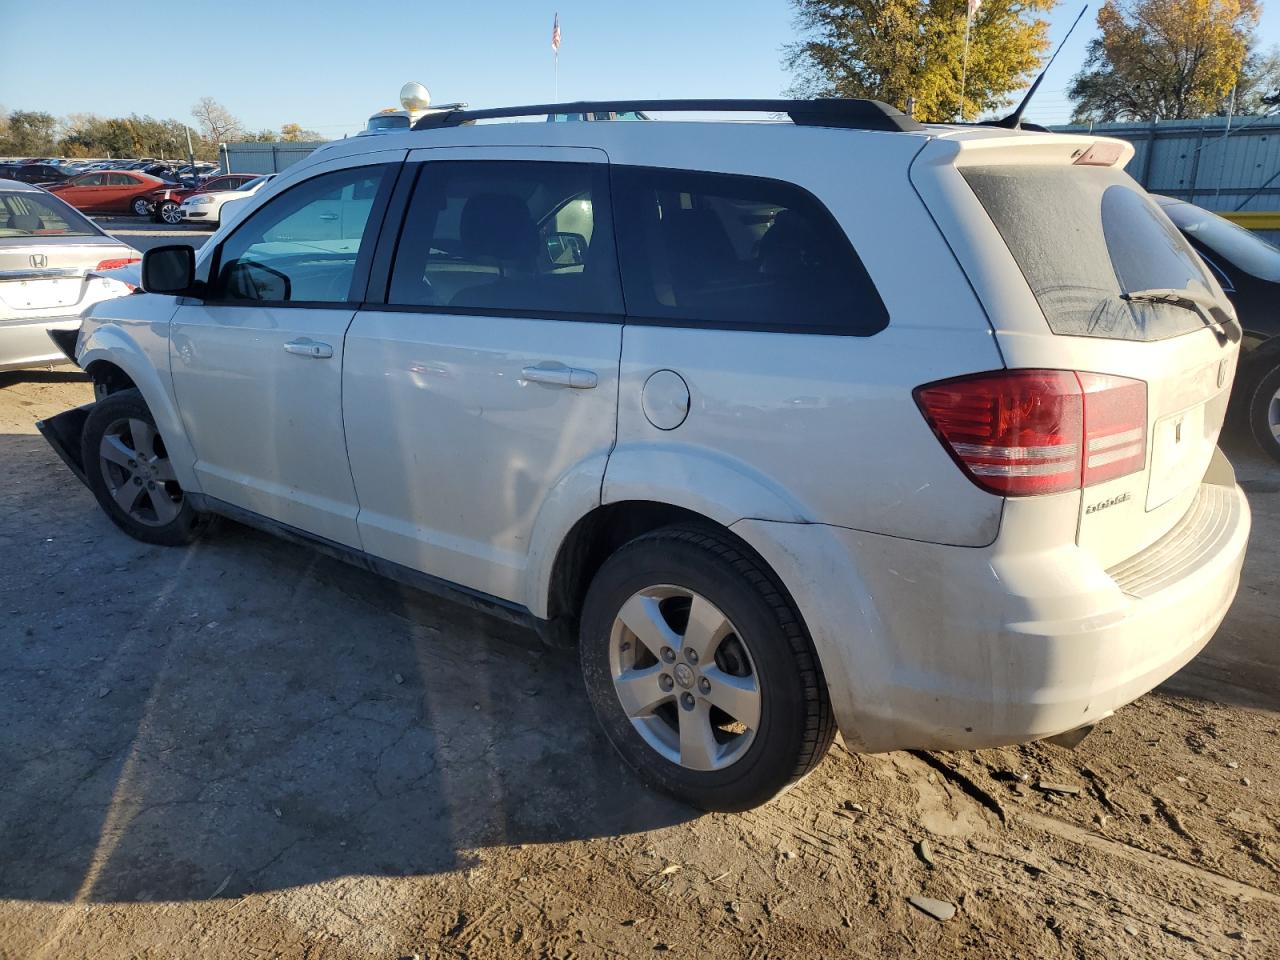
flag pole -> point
(556, 99)
(964, 63)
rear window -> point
(389, 122)
(744, 253)
(25, 214)
(1082, 236)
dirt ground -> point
(245, 750)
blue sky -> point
(328, 64)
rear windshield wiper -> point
(1204, 304)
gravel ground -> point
(243, 749)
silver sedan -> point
(49, 253)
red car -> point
(119, 191)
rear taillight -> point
(1017, 433)
(119, 262)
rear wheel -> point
(168, 211)
(1263, 410)
(701, 672)
(141, 207)
(130, 473)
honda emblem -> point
(39, 260)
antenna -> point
(1014, 120)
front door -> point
(257, 365)
(487, 384)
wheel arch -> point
(117, 362)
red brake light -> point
(1025, 432)
(1115, 427)
(119, 262)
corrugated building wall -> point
(1233, 171)
(264, 157)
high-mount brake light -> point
(1101, 154)
(1020, 433)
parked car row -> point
(136, 192)
(50, 172)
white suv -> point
(842, 422)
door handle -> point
(328, 216)
(306, 347)
(561, 377)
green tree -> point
(1258, 90)
(893, 50)
(1164, 59)
(29, 133)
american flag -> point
(973, 8)
(555, 33)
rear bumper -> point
(962, 648)
(26, 343)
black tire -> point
(168, 519)
(1263, 392)
(167, 212)
(796, 724)
(140, 207)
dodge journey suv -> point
(841, 422)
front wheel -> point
(141, 207)
(1263, 411)
(167, 211)
(130, 473)
(701, 672)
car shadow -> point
(59, 374)
(245, 714)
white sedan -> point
(207, 207)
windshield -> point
(253, 184)
(1246, 250)
(25, 214)
(1083, 236)
(389, 121)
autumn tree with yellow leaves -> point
(891, 50)
(1165, 59)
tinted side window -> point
(304, 244)
(513, 236)
(739, 252)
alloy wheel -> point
(170, 213)
(141, 207)
(1273, 415)
(685, 677)
(138, 472)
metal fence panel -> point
(1200, 161)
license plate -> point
(1177, 448)
(40, 294)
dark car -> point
(35, 173)
(1248, 268)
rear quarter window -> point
(721, 250)
(1082, 236)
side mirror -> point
(170, 270)
(566, 249)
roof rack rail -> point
(853, 114)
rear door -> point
(486, 385)
(1091, 243)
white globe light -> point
(414, 97)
